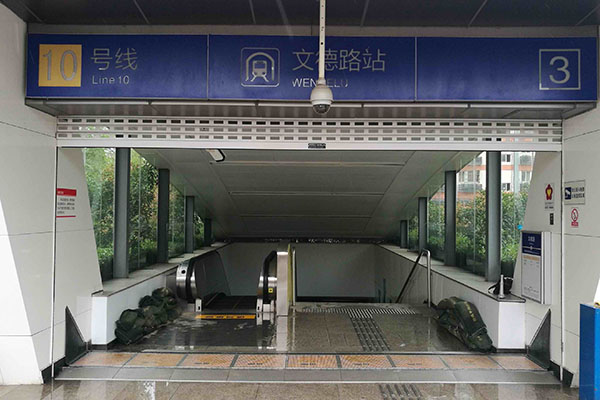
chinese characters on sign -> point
(351, 60)
(123, 59)
(65, 203)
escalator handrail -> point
(412, 271)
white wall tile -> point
(14, 315)
(19, 362)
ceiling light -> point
(216, 154)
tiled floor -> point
(364, 367)
(147, 390)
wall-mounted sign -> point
(117, 66)
(575, 217)
(574, 192)
(536, 266)
(285, 67)
(66, 201)
(549, 197)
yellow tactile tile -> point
(517, 362)
(155, 360)
(470, 362)
(312, 361)
(104, 359)
(270, 361)
(418, 362)
(365, 361)
(207, 361)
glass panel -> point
(413, 233)
(176, 222)
(516, 178)
(143, 208)
(436, 235)
(198, 230)
(100, 177)
(470, 216)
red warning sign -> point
(574, 218)
(65, 203)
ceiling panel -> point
(534, 12)
(195, 12)
(306, 226)
(305, 178)
(298, 205)
(395, 13)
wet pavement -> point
(150, 390)
(310, 328)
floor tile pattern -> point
(365, 361)
(312, 361)
(276, 361)
(207, 361)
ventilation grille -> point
(281, 133)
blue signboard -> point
(531, 243)
(507, 69)
(117, 66)
(286, 68)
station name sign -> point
(285, 68)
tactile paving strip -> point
(207, 361)
(418, 362)
(269, 361)
(365, 361)
(155, 360)
(312, 361)
(362, 312)
(103, 359)
(397, 391)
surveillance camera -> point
(321, 97)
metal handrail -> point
(410, 275)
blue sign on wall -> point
(507, 69)
(286, 68)
(117, 66)
(531, 243)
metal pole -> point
(450, 218)
(322, 39)
(207, 231)
(428, 253)
(121, 213)
(404, 234)
(494, 215)
(422, 223)
(189, 224)
(162, 234)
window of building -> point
(506, 158)
(471, 220)
(143, 209)
(506, 187)
(100, 176)
(525, 176)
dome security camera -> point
(321, 97)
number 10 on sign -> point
(60, 65)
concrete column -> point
(450, 218)
(494, 214)
(207, 231)
(404, 234)
(121, 214)
(422, 223)
(162, 236)
(189, 224)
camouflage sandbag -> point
(148, 301)
(462, 319)
(150, 320)
(130, 336)
(162, 294)
(127, 319)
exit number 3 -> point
(60, 65)
(560, 69)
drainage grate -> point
(400, 392)
(362, 312)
